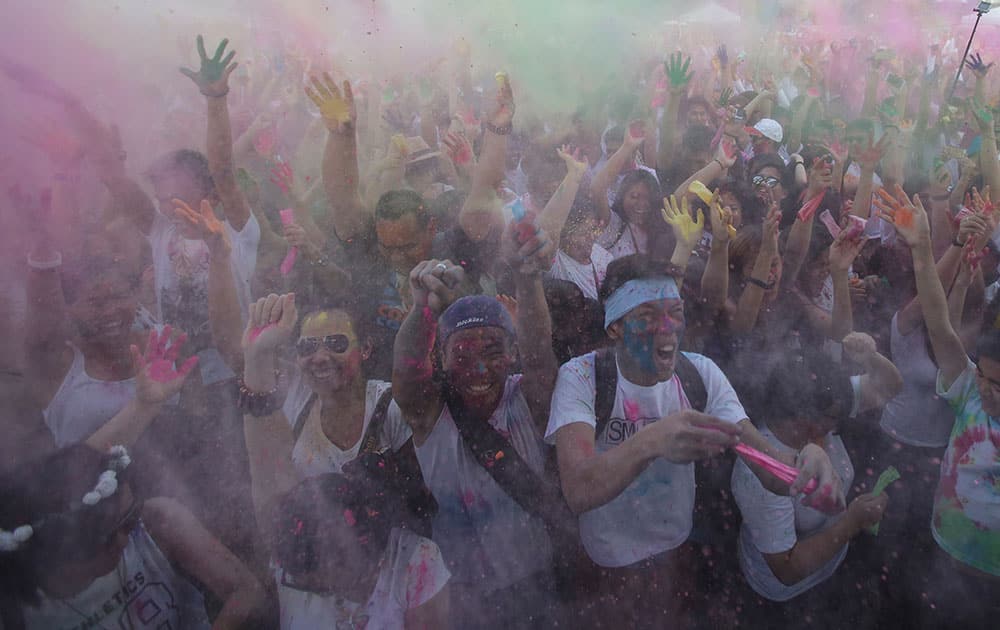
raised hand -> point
(724, 97)
(686, 229)
(157, 377)
(272, 321)
(336, 107)
(721, 219)
(770, 229)
(459, 150)
(845, 248)
(576, 163)
(283, 177)
(907, 216)
(435, 284)
(213, 76)
(526, 248)
(205, 224)
(501, 114)
(726, 153)
(976, 65)
(677, 71)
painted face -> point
(176, 184)
(477, 361)
(651, 334)
(403, 243)
(988, 383)
(636, 203)
(329, 353)
(105, 310)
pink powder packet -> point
(831, 224)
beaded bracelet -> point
(500, 131)
(257, 404)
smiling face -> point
(477, 362)
(329, 351)
(636, 203)
(105, 310)
(647, 339)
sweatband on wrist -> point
(637, 292)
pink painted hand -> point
(157, 377)
(283, 177)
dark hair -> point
(395, 204)
(78, 277)
(630, 179)
(633, 267)
(46, 493)
(697, 138)
(808, 384)
(366, 504)
(698, 101)
(187, 161)
(988, 345)
(752, 207)
(358, 308)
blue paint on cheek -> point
(639, 343)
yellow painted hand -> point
(336, 107)
(686, 229)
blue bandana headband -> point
(636, 292)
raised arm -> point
(605, 178)
(528, 258)
(687, 229)
(678, 77)
(157, 380)
(433, 285)
(725, 157)
(715, 280)
(480, 214)
(843, 251)
(554, 214)
(212, 80)
(744, 318)
(268, 436)
(881, 381)
(910, 220)
(868, 160)
(340, 158)
(988, 162)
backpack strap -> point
(606, 382)
(370, 442)
(300, 421)
(691, 382)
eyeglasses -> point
(128, 522)
(337, 344)
(762, 180)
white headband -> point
(107, 485)
(636, 292)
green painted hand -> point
(213, 76)
(677, 70)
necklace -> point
(120, 574)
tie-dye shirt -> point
(966, 520)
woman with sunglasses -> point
(344, 561)
(80, 549)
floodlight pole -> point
(979, 11)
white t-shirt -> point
(412, 572)
(653, 514)
(587, 276)
(917, 415)
(314, 454)
(633, 239)
(487, 539)
(142, 592)
(180, 272)
(773, 524)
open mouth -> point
(666, 353)
(323, 373)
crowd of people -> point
(720, 346)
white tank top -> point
(487, 539)
(83, 403)
(141, 592)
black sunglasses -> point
(761, 180)
(307, 346)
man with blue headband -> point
(629, 475)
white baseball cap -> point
(770, 129)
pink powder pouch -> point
(287, 218)
(827, 218)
